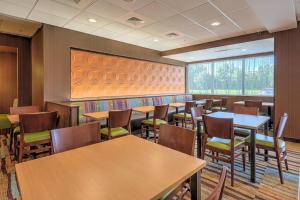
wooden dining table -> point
(203, 101)
(97, 115)
(125, 168)
(251, 122)
(13, 119)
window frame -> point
(242, 58)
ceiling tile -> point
(202, 13)
(228, 6)
(24, 3)
(156, 28)
(118, 28)
(130, 6)
(13, 9)
(47, 18)
(80, 4)
(176, 22)
(247, 20)
(85, 16)
(105, 9)
(54, 8)
(138, 34)
(80, 27)
(180, 5)
(225, 26)
(156, 11)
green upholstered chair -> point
(208, 105)
(185, 117)
(118, 124)
(219, 138)
(35, 133)
(179, 139)
(274, 143)
(15, 128)
(4, 122)
(246, 111)
(159, 117)
(221, 106)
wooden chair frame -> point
(187, 110)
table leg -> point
(147, 131)
(196, 186)
(270, 114)
(199, 139)
(266, 133)
(253, 155)
(176, 112)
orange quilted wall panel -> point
(97, 75)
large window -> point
(243, 76)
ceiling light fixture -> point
(92, 20)
(244, 49)
(215, 24)
(191, 57)
(155, 40)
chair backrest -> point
(161, 112)
(24, 110)
(15, 102)
(252, 103)
(246, 110)
(218, 191)
(119, 118)
(177, 138)
(208, 104)
(218, 127)
(224, 101)
(196, 113)
(280, 126)
(36, 122)
(188, 106)
(65, 139)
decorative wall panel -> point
(98, 75)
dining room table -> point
(177, 106)
(203, 101)
(98, 116)
(13, 119)
(250, 122)
(144, 110)
(124, 168)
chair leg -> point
(213, 154)
(232, 171)
(11, 134)
(244, 159)
(279, 166)
(154, 132)
(20, 153)
(217, 154)
(285, 160)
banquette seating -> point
(128, 103)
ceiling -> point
(246, 48)
(189, 20)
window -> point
(244, 76)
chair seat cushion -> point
(157, 122)
(242, 132)
(4, 122)
(35, 137)
(17, 130)
(266, 141)
(208, 111)
(219, 108)
(223, 144)
(181, 115)
(115, 132)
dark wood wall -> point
(24, 65)
(287, 79)
(37, 69)
(8, 80)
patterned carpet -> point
(268, 186)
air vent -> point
(135, 21)
(222, 50)
(77, 1)
(173, 35)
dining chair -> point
(245, 111)
(179, 139)
(185, 117)
(222, 106)
(208, 105)
(15, 128)
(254, 103)
(196, 113)
(65, 139)
(35, 132)
(217, 193)
(274, 143)
(119, 124)
(219, 138)
(159, 117)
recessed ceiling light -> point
(244, 49)
(155, 40)
(191, 57)
(215, 23)
(92, 20)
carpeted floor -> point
(268, 186)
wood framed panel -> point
(100, 75)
